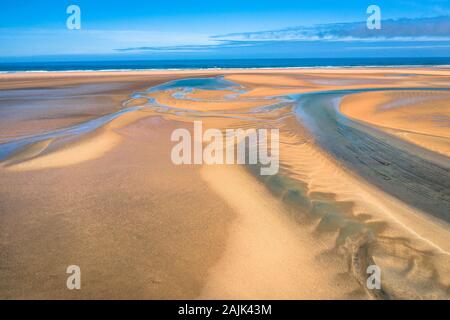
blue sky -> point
(154, 29)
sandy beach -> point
(364, 179)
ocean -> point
(217, 64)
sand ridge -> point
(422, 117)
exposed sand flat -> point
(137, 226)
(260, 92)
(306, 81)
(166, 98)
(402, 236)
(209, 94)
(275, 79)
(111, 201)
(272, 77)
(421, 117)
(61, 79)
(91, 146)
(434, 143)
(96, 76)
(267, 254)
(60, 100)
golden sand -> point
(209, 94)
(421, 117)
(267, 255)
(112, 202)
(165, 98)
(91, 146)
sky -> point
(203, 29)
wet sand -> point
(87, 179)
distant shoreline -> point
(219, 64)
